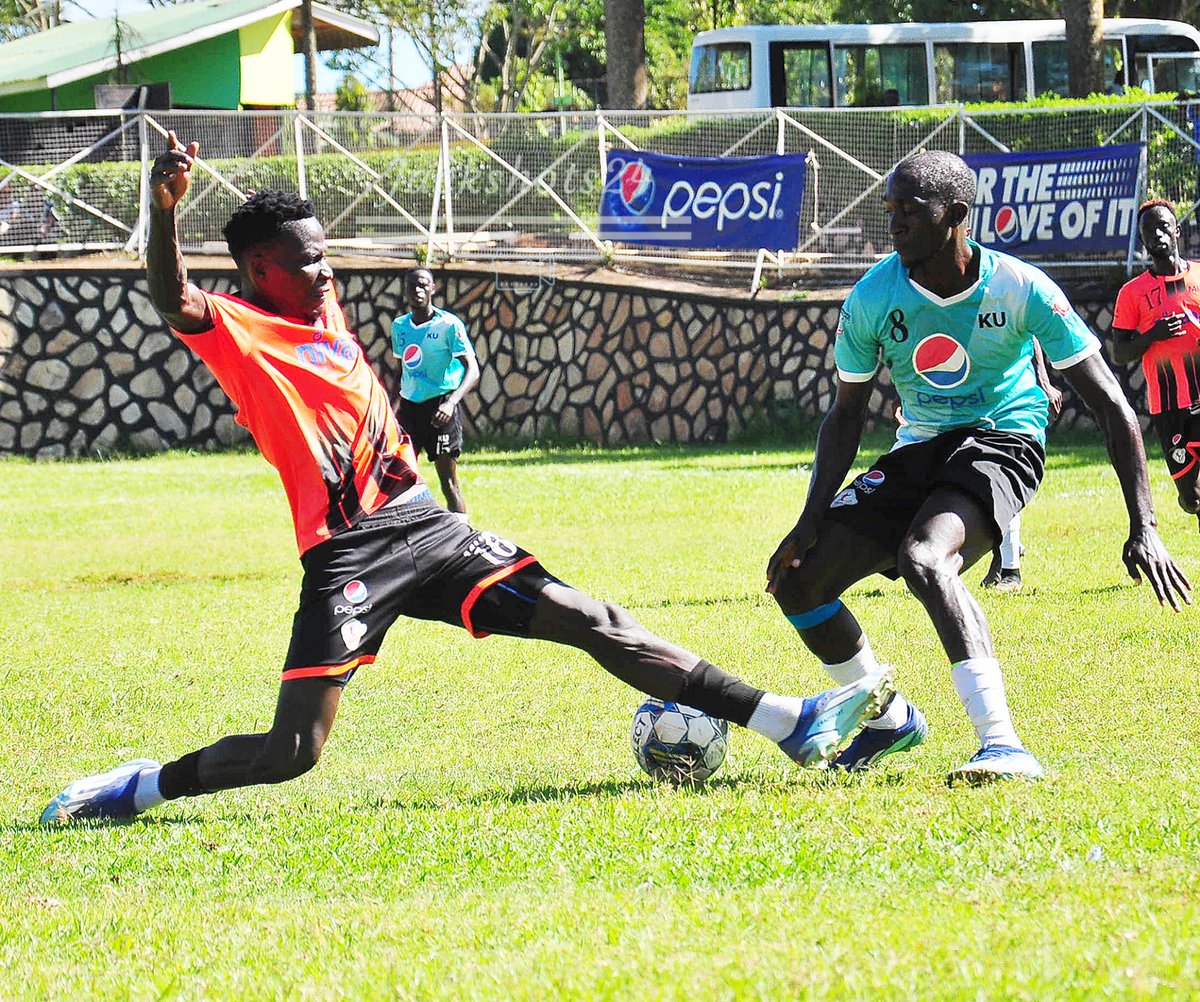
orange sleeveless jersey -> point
(317, 411)
(1172, 366)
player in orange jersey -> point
(1157, 319)
(374, 545)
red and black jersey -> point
(1171, 366)
(315, 408)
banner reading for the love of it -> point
(1076, 201)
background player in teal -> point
(437, 369)
(954, 323)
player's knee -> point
(922, 565)
(289, 756)
(799, 592)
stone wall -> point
(87, 367)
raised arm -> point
(837, 445)
(178, 302)
(1144, 552)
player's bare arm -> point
(1129, 346)
(1144, 552)
(837, 445)
(445, 410)
(177, 301)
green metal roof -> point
(84, 48)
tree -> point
(1085, 49)
(625, 42)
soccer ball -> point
(676, 743)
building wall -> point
(86, 366)
(266, 62)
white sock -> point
(775, 717)
(861, 665)
(981, 688)
(1010, 545)
(146, 794)
(461, 516)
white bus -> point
(872, 65)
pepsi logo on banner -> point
(1079, 201)
(726, 203)
(941, 361)
(637, 186)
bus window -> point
(721, 67)
(1050, 68)
(1173, 72)
(799, 75)
(979, 71)
(872, 75)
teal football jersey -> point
(430, 355)
(965, 361)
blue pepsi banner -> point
(726, 203)
(1077, 201)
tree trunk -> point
(625, 42)
(1085, 48)
(309, 29)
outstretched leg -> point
(809, 730)
(303, 718)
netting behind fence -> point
(520, 186)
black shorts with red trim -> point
(1179, 434)
(415, 560)
(1002, 471)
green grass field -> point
(477, 827)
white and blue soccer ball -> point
(676, 743)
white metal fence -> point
(522, 187)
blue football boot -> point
(873, 743)
(995, 762)
(106, 796)
(827, 720)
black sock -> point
(718, 693)
(181, 778)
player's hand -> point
(172, 172)
(441, 417)
(1168, 327)
(790, 553)
(1054, 397)
(1145, 554)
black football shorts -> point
(999, 469)
(1179, 434)
(417, 420)
(415, 560)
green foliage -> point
(351, 95)
(477, 828)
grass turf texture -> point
(478, 829)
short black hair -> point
(941, 175)
(414, 272)
(1155, 203)
(262, 217)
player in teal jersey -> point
(954, 323)
(437, 369)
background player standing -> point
(1157, 319)
(954, 323)
(437, 369)
(373, 543)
